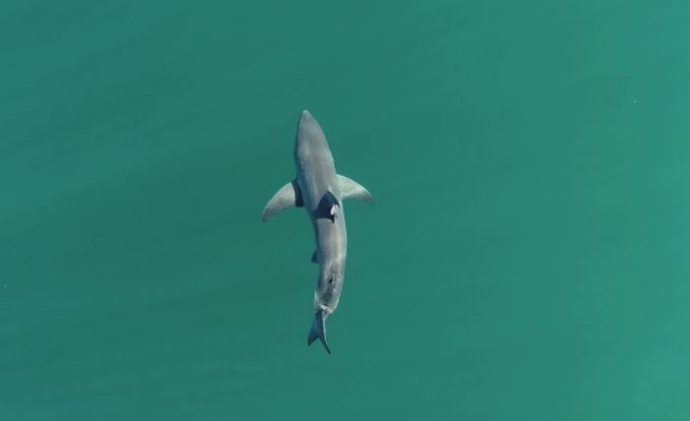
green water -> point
(527, 257)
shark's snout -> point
(306, 119)
(306, 114)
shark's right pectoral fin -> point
(350, 189)
(288, 196)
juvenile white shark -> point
(320, 190)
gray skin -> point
(320, 190)
(316, 176)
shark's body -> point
(320, 190)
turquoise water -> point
(526, 258)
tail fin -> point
(318, 330)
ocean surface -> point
(527, 257)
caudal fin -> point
(318, 330)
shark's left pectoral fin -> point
(350, 189)
(288, 196)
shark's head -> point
(310, 139)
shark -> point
(320, 190)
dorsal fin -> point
(327, 207)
